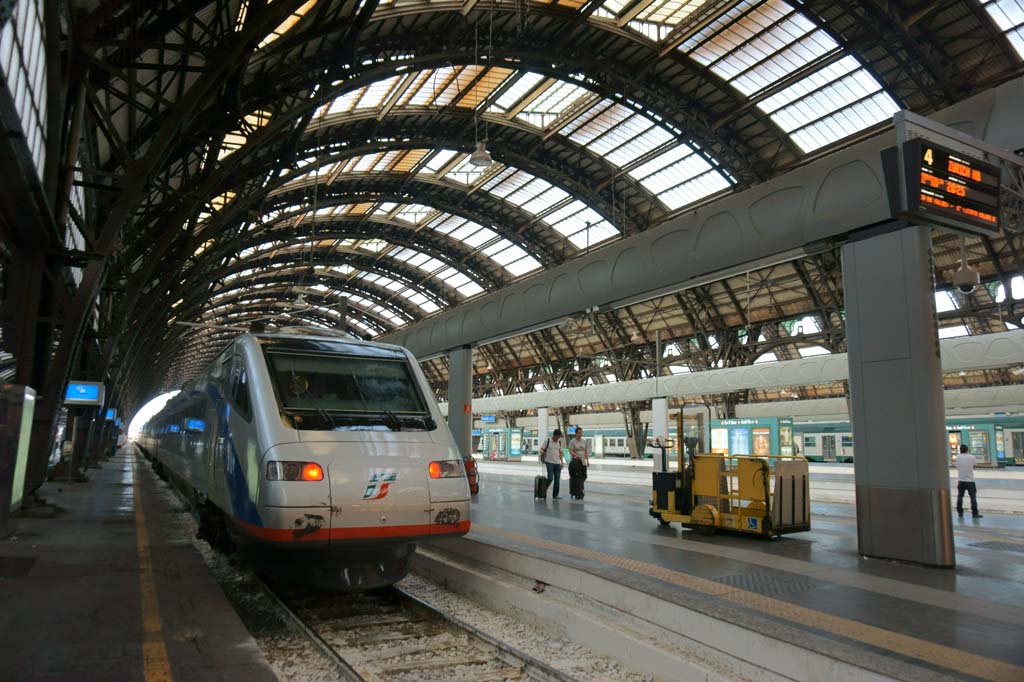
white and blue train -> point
(319, 458)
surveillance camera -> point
(966, 279)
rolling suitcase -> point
(540, 487)
(577, 474)
(576, 488)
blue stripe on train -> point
(242, 506)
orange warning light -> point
(312, 472)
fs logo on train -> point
(378, 483)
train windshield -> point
(338, 392)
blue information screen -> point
(83, 392)
(111, 414)
(196, 425)
(487, 418)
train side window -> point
(240, 392)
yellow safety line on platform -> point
(156, 666)
(904, 645)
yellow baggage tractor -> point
(763, 495)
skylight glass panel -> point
(811, 351)
(617, 133)
(415, 213)
(440, 160)
(548, 105)
(944, 303)
(375, 93)
(500, 251)
(545, 200)
(761, 46)
(523, 266)
(474, 235)
(466, 173)
(830, 104)
(595, 234)
(950, 332)
(679, 177)
(477, 94)
(506, 182)
(1009, 17)
(581, 224)
(526, 82)
(1017, 287)
(345, 103)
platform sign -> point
(952, 189)
(111, 414)
(84, 393)
(487, 418)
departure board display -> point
(950, 186)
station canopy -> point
(334, 177)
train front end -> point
(361, 467)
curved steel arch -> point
(412, 277)
(277, 309)
(456, 254)
(378, 295)
(504, 218)
(370, 291)
(282, 293)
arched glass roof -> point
(627, 137)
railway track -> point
(391, 636)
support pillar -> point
(542, 426)
(896, 402)
(659, 425)
(460, 398)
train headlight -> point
(294, 471)
(447, 468)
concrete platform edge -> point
(710, 642)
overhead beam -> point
(963, 353)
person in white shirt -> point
(965, 482)
(551, 455)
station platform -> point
(108, 589)
(810, 592)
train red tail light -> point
(294, 471)
(312, 472)
(448, 468)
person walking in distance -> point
(551, 454)
(965, 482)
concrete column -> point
(896, 401)
(460, 398)
(542, 425)
(659, 428)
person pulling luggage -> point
(551, 455)
(579, 449)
